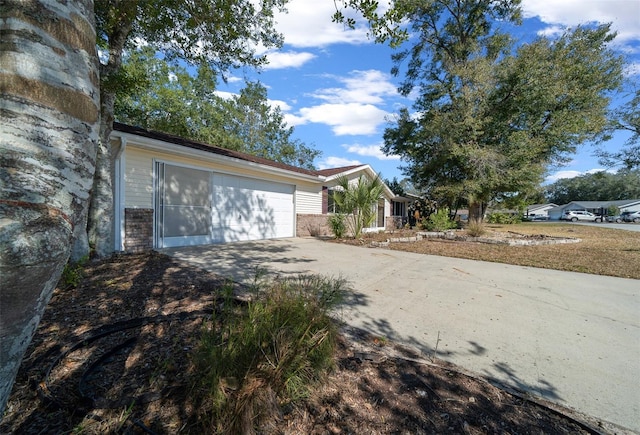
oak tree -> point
(49, 112)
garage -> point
(196, 206)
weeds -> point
(73, 273)
(256, 358)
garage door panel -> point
(249, 209)
(207, 207)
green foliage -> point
(625, 118)
(503, 218)
(73, 273)
(397, 187)
(599, 186)
(337, 224)
(219, 33)
(492, 116)
(168, 99)
(255, 358)
(439, 221)
(359, 201)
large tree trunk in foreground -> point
(49, 108)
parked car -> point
(580, 215)
(614, 219)
(537, 217)
(630, 216)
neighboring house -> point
(539, 210)
(595, 207)
(169, 191)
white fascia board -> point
(388, 193)
(168, 147)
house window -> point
(399, 208)
(332, 207)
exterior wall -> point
(138, 229)
(308, 199)
(138, 178)
(312, 225)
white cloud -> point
(287, 59)
(351, 109)
(283, 105)
(310, 25)
(346, 119)
(366, 87)
(337, 162)
(224, 94)
(632, 69)
(571, 174)
(370, 151)
(622, 13)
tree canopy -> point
(491, 114)
(625, 118)
(220, 34)
(599, 186)
(165, 97)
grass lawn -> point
(602, 251)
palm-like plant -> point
(358, 201)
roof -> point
(537, 206)
(124, 128)
(333, 171)
(601, 204)
(322, 174)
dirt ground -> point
(112, 356)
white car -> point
(580, 215)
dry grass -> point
(602, 251)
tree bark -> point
(100, 214)
(49, 109)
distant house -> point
(596, 207)
(170, 191)
(539, 210)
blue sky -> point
(334, 85)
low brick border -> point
(451, 235)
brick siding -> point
(138, 229)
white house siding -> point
(138, 178)
(271, 195)
(308, 199)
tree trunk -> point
(476, 211)
(49, 112)
(100, 223)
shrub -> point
(476, 229)
(503, 218)
(438, 221)
(257, 357)
(337, 225)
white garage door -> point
(250, 209)
(195, 207)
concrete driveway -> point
(571, 338)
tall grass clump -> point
(476, 228)
(255, 358)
